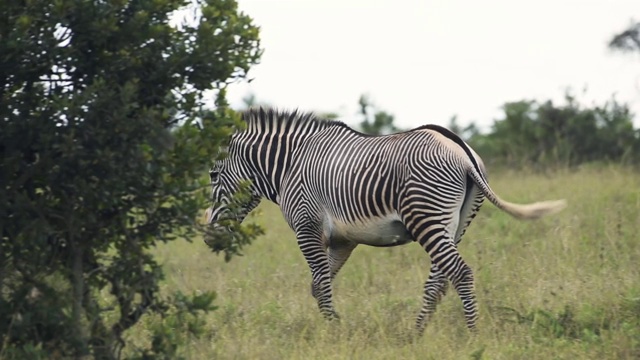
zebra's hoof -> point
(333, 317)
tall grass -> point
(564, 287)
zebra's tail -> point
(519, 211)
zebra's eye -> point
(213, 175)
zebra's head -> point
(229, 202)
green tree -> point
(627, 40)
(251, 100)
(375, 122)
(540, 134)
(104, 137)
(466, 132)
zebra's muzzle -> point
(220, 223)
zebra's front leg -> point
(339, 252)
(313, 248)
(434, 289)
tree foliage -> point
(627, 40)
(374, 121)
(104, 136)
(542, 133)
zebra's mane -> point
(272, 118)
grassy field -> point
(565, 287)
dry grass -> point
(564, 287)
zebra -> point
(338, 188)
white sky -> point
(425, 61)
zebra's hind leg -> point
(445, 255)
(310, 241)
(434, 289)
(433, 237)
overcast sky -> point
(425, 61)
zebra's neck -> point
(269, 142)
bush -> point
(104, 135)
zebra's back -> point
(356, 181)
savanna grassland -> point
(564, 287)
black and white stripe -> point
(338, 188)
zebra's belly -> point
(378, 231)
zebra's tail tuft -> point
(533, 211)
(520, 211)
